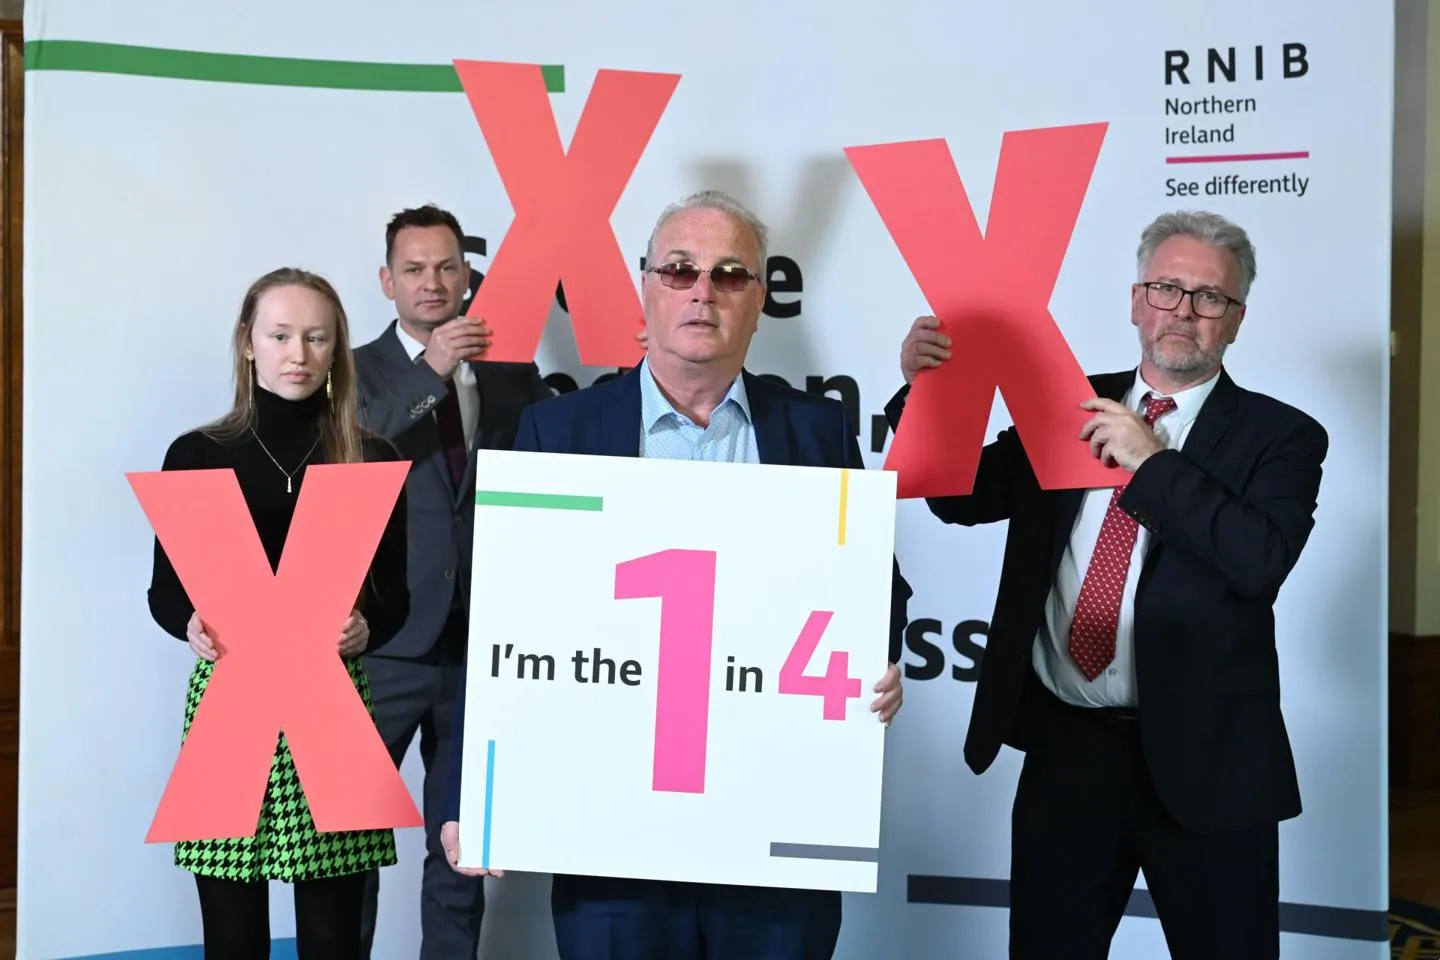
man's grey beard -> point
(1197, 361)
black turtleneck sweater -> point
(288, 429)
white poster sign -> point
(697, 704)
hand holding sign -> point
(455, 342)
(924, 348)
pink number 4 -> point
(684, 580)
(835, 686)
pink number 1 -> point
(684, 580)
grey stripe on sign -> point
(1339, 923)
(816, 851)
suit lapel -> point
(767, 416)
(1214, 418)
(485, 393)
(396, 355)
(1111, 386)
(620, 425)
(393, 350)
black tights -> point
(236, 915)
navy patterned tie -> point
(452, 433)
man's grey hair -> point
(714, 200)
(1206, 227)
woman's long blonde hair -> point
(339, 428)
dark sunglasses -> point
(727, 278)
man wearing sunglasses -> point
(692, 399)
(1132, 650)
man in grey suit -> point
(423, 388)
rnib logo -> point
(1225, 64)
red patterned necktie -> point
(1097, 610)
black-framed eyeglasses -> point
(727, 277)
(1206, 303)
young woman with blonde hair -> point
(295, 405)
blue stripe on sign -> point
(489, 802)
(279, 950)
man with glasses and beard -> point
(1131, 655)
(692, 399)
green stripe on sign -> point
(84, 56)
(539, 501)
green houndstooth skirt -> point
(286, 846)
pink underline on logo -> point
(1241, 157)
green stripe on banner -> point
(84, 56)
(539, 501)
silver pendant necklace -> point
(289, 475)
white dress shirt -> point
(1115, 686)
(466, 390)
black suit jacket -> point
(397, 399)
(1228, 515)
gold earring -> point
(329, 389)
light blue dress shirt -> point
(667, 434)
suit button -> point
(449, 574)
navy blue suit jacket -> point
(791, 427)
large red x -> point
(278, 669)
(563, 204)
(991, 293)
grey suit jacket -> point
(397, 397)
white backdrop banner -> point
(175, 151)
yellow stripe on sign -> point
(844, 502)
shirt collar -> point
(412, 346)
(654, 407)
(1187, 402)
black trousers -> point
(236, 916)
(1086, 822)
(601, 918)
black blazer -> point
(1228, 516)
